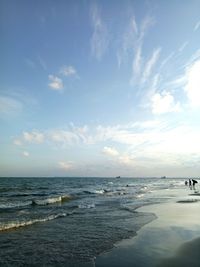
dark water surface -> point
(69, 221)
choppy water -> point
(69, 221)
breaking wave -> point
(17, 224)
(51, 200)
(40, 202)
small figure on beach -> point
(190, 184)
(193, 183)
(186, 182)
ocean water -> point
(69, 221)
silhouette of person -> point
(190, 184)
(193, 183)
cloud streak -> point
(68, 71)
(197, 26)
(136, 37)
(100, 39)
(150, 64)
(192, 86)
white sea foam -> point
(86, 206)
(51, 200)
(101, 191)
(17, 224)
(13, 205)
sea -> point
(70, 221)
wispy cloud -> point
(65, 165)
(110, 151)
(197, 26)
(138, 58)
(25, 154)
(42, 63)
(137, 63)
(133, 144)
(100, 38)
(17, 142)
(10, 106)
(68, 71)
(33, 137)
(55, 83)
(146, 24)
(150, 64)
(192, 86)
(128, 40)
(63, 137)
(166, 60)
(183, 46)
(36, 62)
(30, 63)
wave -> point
(39, 202)
(17, 224)
(86, 206)
(51, 200)
(101, 191)
(15, 205)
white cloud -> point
(192, 86)
(126, 160)
(55, 83)
(150, 64)
(26, 154)
(33, 137)
(110, 151)
(141, 143)
(164, 103)
(65, 165)
(65, 137)
(68, 71)
(197, 26)
(17, 142)
(99, 39)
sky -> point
(100, 88)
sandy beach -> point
(173, 239)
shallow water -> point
(69, 221)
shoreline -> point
(160, 242)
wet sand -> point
(173, 239)
(187, 255)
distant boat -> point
(118, 177)
(163, 177)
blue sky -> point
(100, 88)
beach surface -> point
(172, 239)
